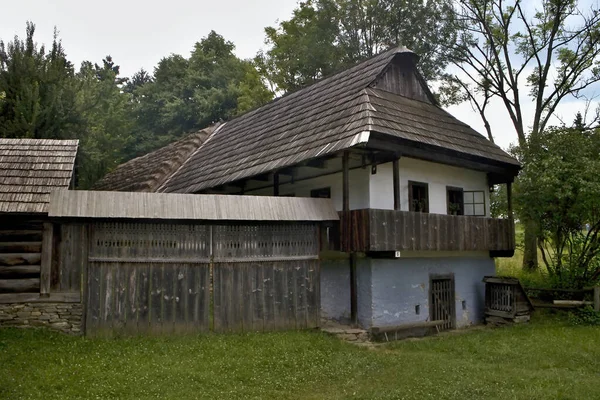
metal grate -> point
(442, 305)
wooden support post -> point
(346, 181)
(509, 200)
(276, 184)
(596, 298)
(349, 239)
(396, 177)
(46, 260)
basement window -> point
(418, 196)
(455, 201)
(474, 203)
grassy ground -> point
(546, 359)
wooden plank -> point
(26, 285)
(218, 324)
(236, 319)
(205, 313)
(120, 304)
(20, 259)
(168, 298)
(396, 183)
(132, 307)
(247, 297)
(156, 298)
(279, 295)
(46, 261)
(7, 298)
(20, 247)
(311, 298)
(20, 235)
(143, 298)
(269, 309)
(180, 277)
(258, 297)
(19, 271)
(597, 298)
(301, 310)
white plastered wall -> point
(437, 176)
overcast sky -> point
(139, 33)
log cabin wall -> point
(20, 254)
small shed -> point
(506, 301)
(169, 263)
(29, 170)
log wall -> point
(20, 254)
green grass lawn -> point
(546, 359)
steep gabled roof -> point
(333, 114)
(148, 172)
(30, 169)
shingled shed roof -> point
(30, 169)
(333, 114)
(148, 172)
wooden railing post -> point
(596, 298)
(46, 259)
(396, 178)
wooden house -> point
(411, 183)
(29, 170)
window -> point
(474, 203)
(323, 193)
(454, 200)
(418, 196)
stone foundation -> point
(62, 317)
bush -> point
(585, 316)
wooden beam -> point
(597, 298)
(316, 163)
(396, 177)
(20, 259)
(18, 271)
(346, 181)
(46, 265)
(20, 247)
(69, 297)
(509, 200)
(276, 184)
(29, 285)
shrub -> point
(585, 316)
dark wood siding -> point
(390, 230)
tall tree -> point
(324, 36)
(37, 89)
(188, 94)
(519, 53)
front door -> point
(442, 306)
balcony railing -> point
(372, 230)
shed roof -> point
(333, 114)
(30, 169)
(148, 172)
(128, 205)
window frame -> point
(462, 203)
(424, 185)
(484, 203)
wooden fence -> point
(171, 278)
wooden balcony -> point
(372, 230)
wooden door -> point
(442, 305)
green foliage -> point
(546, 359)
(325, 36)
(189, 94)
(559, 190)
(585, 316)
(38, 90)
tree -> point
(504, 48)
(325, 36)
(38, 89)
(107, 121)
(559, 190)
(190, 94)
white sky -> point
(139, 33)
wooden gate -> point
(164, 277)
(442, 305)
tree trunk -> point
(530, 254)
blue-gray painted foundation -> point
(389, 290)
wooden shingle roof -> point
(148, 172)
(30, 169)
(333, 114)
